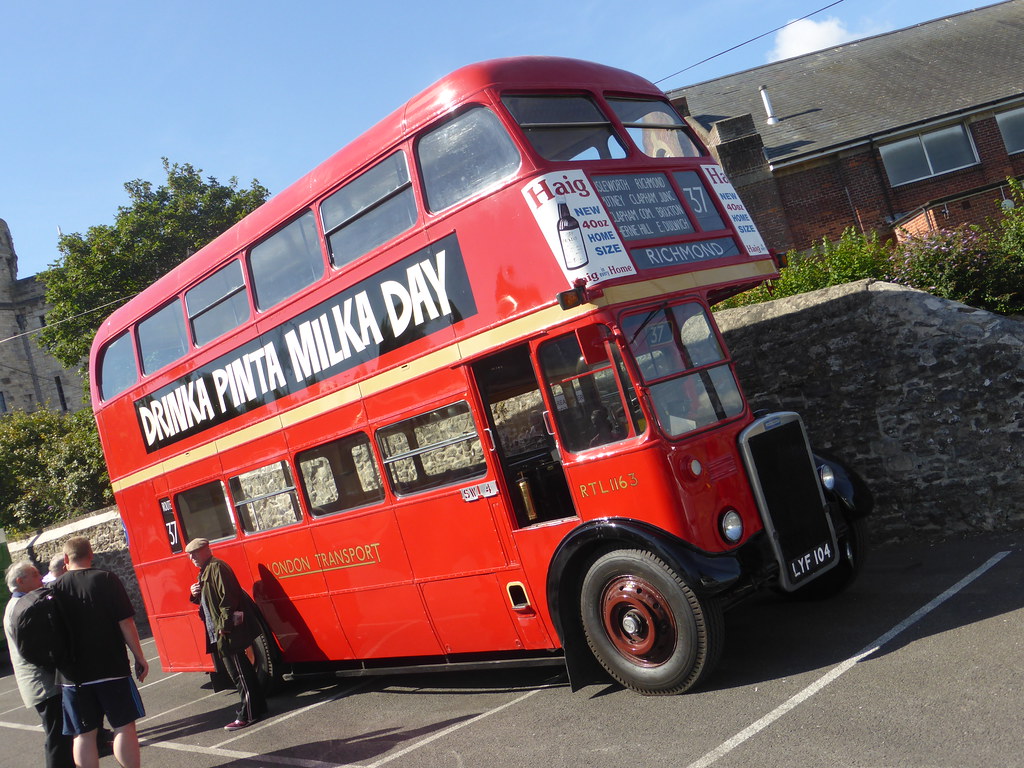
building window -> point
(928, 154)
(60, 393)
(1011, 125)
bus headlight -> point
(828, 477)
(731, 526)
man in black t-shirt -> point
(101, 617)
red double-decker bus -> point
(456, 398)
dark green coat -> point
(221, 597)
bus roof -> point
(442, 97)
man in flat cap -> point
(228, 614)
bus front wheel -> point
(646, 626)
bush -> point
(853, 257)
(983, 268)
(965, 264)
(51, 469)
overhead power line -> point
(746, 42)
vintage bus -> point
(456, 398)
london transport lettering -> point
(421, 294)
(335, 560)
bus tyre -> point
(646, 626)
(265, 659)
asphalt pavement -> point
(918, 664)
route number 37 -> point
(173, 537)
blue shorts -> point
(85, 705)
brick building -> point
(29, 377)
(907, 131)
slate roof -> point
(844, 95)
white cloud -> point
(805, 36)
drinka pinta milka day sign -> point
(419, 295)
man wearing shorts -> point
(101, 617)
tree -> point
(51, 469)
(159, 229)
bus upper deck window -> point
(464, 156)
(218, 304)
(565, 127)
(286, 262)
(655, 128)
(162, 338)
(117, 367)
(369, 211)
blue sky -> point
(94, 94)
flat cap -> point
(197, 544)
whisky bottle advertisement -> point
(570, 234)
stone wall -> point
(110, 549)
(925, 397)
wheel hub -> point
(638, 621)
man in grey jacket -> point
(38, 686)
(231, 625)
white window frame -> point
(919, 138)
(1018, 116)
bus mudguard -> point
(710, 574)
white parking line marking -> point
(220, 751)
(239, 755)
(186, 705)
(727, 746)
(21, 727)
(275, 720)
(452, 729)
(148, 685)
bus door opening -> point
(522, 437)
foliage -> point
(1010, 236)
(981, 267)
(965, 264)
(160, 228)
(51, 468)
(853, 257)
